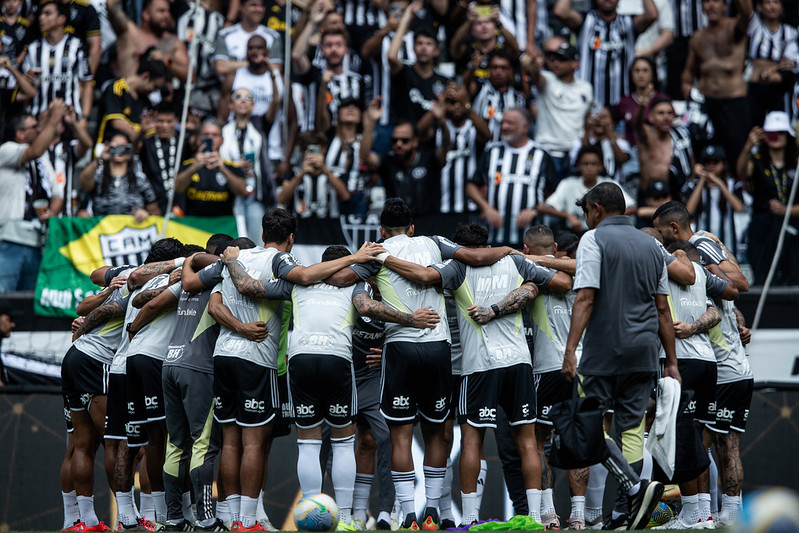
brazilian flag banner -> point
(77, 246)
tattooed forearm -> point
(101, 315)
(244, 283)
(380, 311)
(739, 317)
(145, 296)
(709, 319)
(517, 298)
(146, 272)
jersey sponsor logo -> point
(441, 404)
(544, 410)
(86, 399)
(416, 96)
(687, 302)
(485, 283)
(255, 405)
(489, 413)
(526, 410)
(187, 312)
(131, 407)
(151, 401)
(174, 353)
(339, 409)
(560, 310)
(691, 407)
(133, 429)
(305, 410)
(419, 173)
(402, 401)
(725, 414)
(746, 415)
(217, 402)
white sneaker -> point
(708, 524)
(267, 525)
(577, 523)
(678, 523)
(550, 521)
(359, 524)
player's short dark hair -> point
(191, 249)
(278, 225)
(589, 149)
(539, 237)
(256, 37)
(500, 53)
(471, 235)
(407, 122)
(396, 215)
(164, 250)
(307, 138)
(154, 67)
(336, 31)
(673, 211)
(244, 243)
(567, 242)
(606, 194)
(61, 7)
(334, 252)
(217, 241)
(424, 31)
(690, 250)
(655, 234)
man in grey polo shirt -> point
(622, 288)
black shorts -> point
(67, 414)
(416, 378)
(145, 389)
(511, 388)
(550, 388)
(322, 389)
(700, 377)
(244, 393)
(117, 408)
(284, 418)
(732, 406)
(82, 378)
(456, 396)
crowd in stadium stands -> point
(502, 112)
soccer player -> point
(321, 375)
(621, 284)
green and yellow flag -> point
(77, 246)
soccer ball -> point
(316, 513)
(774, 510)
(661, 514)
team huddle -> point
(188, 366)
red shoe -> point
(99, 527)
(256, 527)
(77, 526)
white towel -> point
(662, 436)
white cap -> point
(778, 121)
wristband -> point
(495, 308)
(382, 257)
(179, 261)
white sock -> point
(223, 512)
(343, 474)
(595, 492)
(729, 508)
(534, 503)
(385, 516)
(71, 511)
(445, 505)
(360, 497)
(714, 484)
(578, 507)
(704, 505)
(309, 471)
(403, 488)
(260, 512)
(470, 512)
(159, 502)
(147, 507)
(87, 514)
(547, 504)
(690, 509)
(248, 511)
(185, 503)
(125, 512)
(434, 485)
(481, 483)
(234, 507)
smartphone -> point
(208, 145)
(249, 157)
(485, 11)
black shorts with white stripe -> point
(322, 389)
(82, 378)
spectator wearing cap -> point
(713, 198)
(472, 44)
(656, 194)
(768, 164)
(562, 103)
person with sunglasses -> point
(115, 186)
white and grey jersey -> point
(772, 45)
(102, 342)
(324, 316)
(258, 262)
(688, 303)
(501, 342)
(551, 314)
(731, 357)
(406, 296)
(709, 251)
(153, 338)
(118, 365)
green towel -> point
(517, 523)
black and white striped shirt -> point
(515, 179)
(345, 85)
(342, 160)
(688, 17)
(63, 66)
(315, 197)
(765, 44)
(203, 25)
(490, 104)
(459, 168)
(382, 74)
(682, 155)
(607, 49)
(360, 13)
(63, 156)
